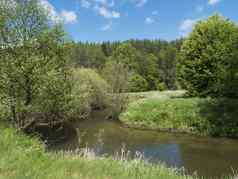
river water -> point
(208, 157)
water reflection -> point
(209, 157)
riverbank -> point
(25, 157)
(172, 111)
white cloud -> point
(107, 27)
(89, 3)
(213, 2)
(102, 7)
(69, 17)
(105, 2)
(50, 10)
(149, 20)
(85, 3)
(140, 3)
(107, 13)
(186, 26)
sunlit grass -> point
(172, 114)
(23, 157)
(173, 111)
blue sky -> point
(103, 20)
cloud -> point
(102, 7)
(65, 16)
(105, 2)
(89, 3)
(213, 2)
(85, 3)
(149, 20)
(186, 26)
(53, 15)
(69, 17)
(107, 27)
(107, 13)
(140, 3)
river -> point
(208, 157)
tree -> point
(209, 58)
(33, 67)
(167, 65)
(116, 72)
(137, 83)
(148, 69)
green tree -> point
(209, 58)
(137, 83)
(167, 66)
(33, 67)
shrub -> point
(90, 91)
(117, 75)
(137, 83)
(4, 113)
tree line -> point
(152, 63)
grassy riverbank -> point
(170, 111)
(25, 157)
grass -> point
(155, 95)
(23, 157)
(163, 114)
(170, 111)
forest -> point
(152, 64)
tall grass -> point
(164, 114)
(23, 157)
(171, 111)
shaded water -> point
(209, 157)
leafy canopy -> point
(209, 58)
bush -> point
(4, 113)
(137, 83)
(221, 116)
(117, 75)
(89, 92)
(160, 86)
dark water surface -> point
(208, 157)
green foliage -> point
(209, 58)
(3, 112)
(170, 111)
(31, 161)
(87, 56)
(164, 114)
(137, 83)
(117, 69)
(221, 116)
(155, 60)
(89, 92)
(125, 54)
(117, 76)
(33, 67)
(117, 72)
(167, 63)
